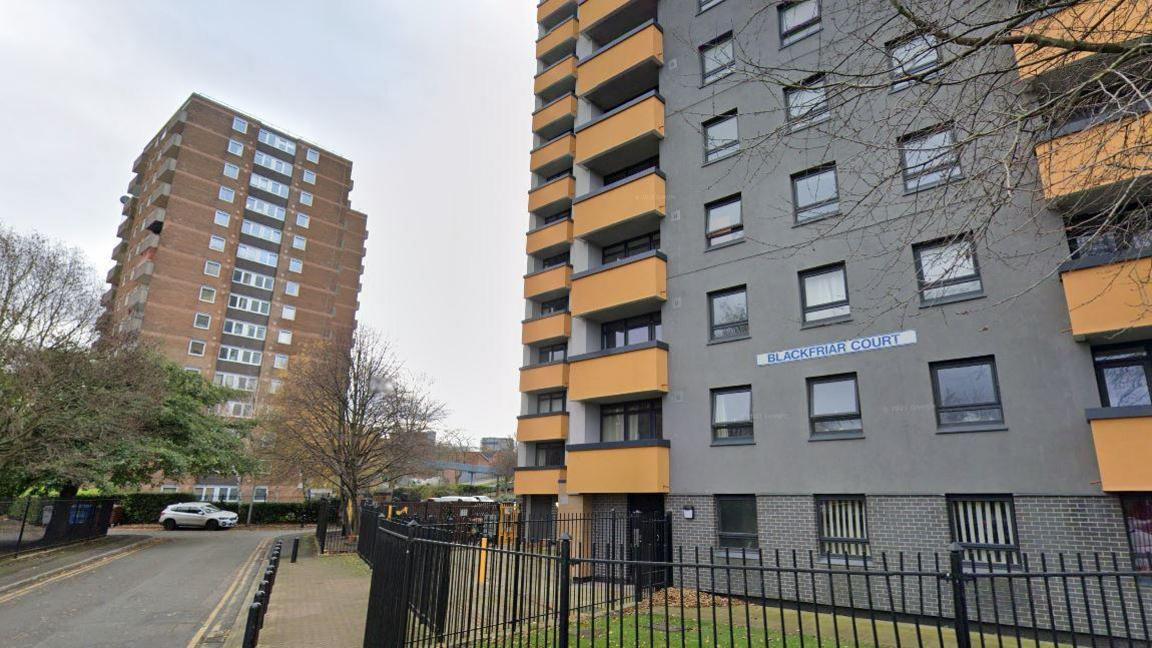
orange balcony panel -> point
(1096, 157)
(564, 70)
(644, 48)
(563, 35)
(619, 205)
(554, 156)
(1094, 21)
(546, 329)
(1107, 299)
(634, 283)
(550, 281)
(552, 236)
(554, 193)
(594, 12)
(621, 127)
(558, 115)
(538, 378)
(639, 372)
(628, 467)
(542, 427)
(1123, 440)
(538, 481)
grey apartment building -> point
(716, 329)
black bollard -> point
(295, 548)
(252, 626)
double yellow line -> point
(256, 556)
(83, 569)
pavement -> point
(136, 588)
(320, 601)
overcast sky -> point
(431, 100)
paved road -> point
(157, 597)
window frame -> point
(707, 78)
(209, 263)
(309, 176)
(799, 176)
(650, 241)
(956, 170)
(1141, 560)
(1099, 367)
(816, 115)
(801, 31)
(727, 150)
(312, 155)
(203, 348)
(813, 419)
(217, 243)
(749, 424)
(303, 220)
(211, 291)
(240, 125)
(933, 371)
(650, 408)
(552, 398)
(825, 541)
(196, 321)
(900, 78)
(235, 147)
(705, 5)
(738, 536)
(226, 194)
(654, 324)
(806, 310)
(549, 350)
(713, 326)
(292, 288)
(224, 216)
(922, 285)
(972, 549)
(543, 448)
(733, 230)
(548, 307)
(307, 198)
(231, 171)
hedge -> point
(145, 508)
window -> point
(238, 409)
(235, 148)
(556, 218)
(732, 414)
(208, 294)
(728, 313)
(257, 255)
(550, 454)
(309, 176)
(929, 158)
(274, 386)
(824, 294)
(273, 163)
(212, 268)
(1109, 234)
(842, 526)
(736, 521)
(267, 184)
(807, 103)
(631, 421)
(252, 228)
(967, 393)
(295, 265)
(288, 313)
(302, 220)
(276, 141)
(911, 56)
(217, 243)
(834, 407)
(169, 488)
(284, 337)
(239, 125)
(1138, 522)
(1122, 375)
(305, 198)
(202, 320)
(815, 193)
(250, 304)
(240, 355)
(559, 305)
(292, 289)
(631, 330)
(249, 278)
(245, 329)
(797, 20)
(313, 156)
(236, 381)
(196, 348)
(222, 218)
(550, 403)
(299, 242)
(260, 494)
(721, 137)
(553, 353)
(231, 171)
(707, 4)
(226, 194)
(631, 247)
(266, 208)
(280, 361)
(717, 58)
(947, 269)
(985, 527)
(723, 221)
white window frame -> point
(257, 255)
(273, 163)
(303, 220)
(240, 125)
(260, 231)
(288, 312)
(264, 183)
(243, 329)
(250, 357)
(280, 361)
(249, 304)
(306, 198)
(234, 147)
(313, 156)
(309, 176)
(231, 171)
(292, 288)
(196, 320)
(217, 243)
(222, 218)
(299, 242)
(284, 336)
(295, 265)
(211, 291)
(276, 141)
(203, 348)
(212, 268)
(253, 279)
(226, 194)
(264, 207)
(236, 381)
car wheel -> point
(170, 524)
(212, 525)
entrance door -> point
(650, 539)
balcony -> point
(605, 20)
(531, 480)
(550, 13)
(171, 148)
(550, 328)
(622, 136)
(545, 284)
(552, 197)
(1096, 21)
(619, 467)
(620, 210)
(123, 227)
(558, 42)
(1095, 159)
(1123, 440)
(544, 377)
(552, 237)
(554, 156)
(553, 119)
(167, 171)
(1108, 298)
(113, 276)
(624, 373)
(160, 196)
(623, 68)
(556, 79)
(622, 288)
(542, 427)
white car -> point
(197, 514)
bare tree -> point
(349, 412)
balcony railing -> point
(1094, 21)
(1096, 158)
(624, 287)
(637, 202)
(548, 283)
(550, 328)
(620, 467)
(552, 197)
(551, 237)
(532, 428)
(555, 117)
(544, 377)
(554, 156)
(538, 481)
(604, 20)
(623, 68)
(1123, 440)
(622, 136)
(557, 79)
(1108, 296)
(558, 42)
(635, 371)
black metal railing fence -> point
(34, 523)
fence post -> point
(564, 598)
(516, 580)
(23, 522)
(959, 600)
(668, 550)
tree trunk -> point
(61, 510)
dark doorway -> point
(651, 539)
